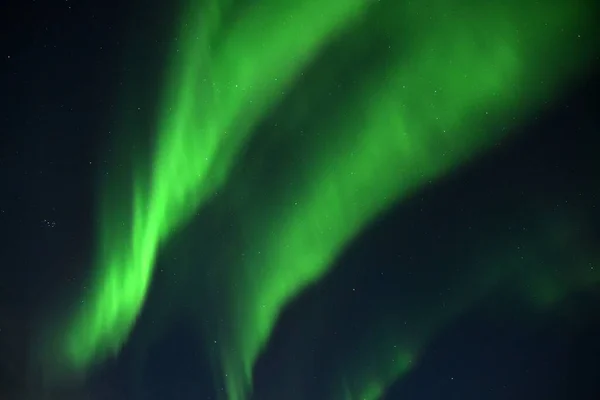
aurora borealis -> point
(284, 130)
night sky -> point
(299, 200)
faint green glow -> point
(382, 359)
(545, 278)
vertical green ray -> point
(216, 92)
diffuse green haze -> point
(216, 93)
(469, 66)
(561, 261)
(383, 356)
(542, 266)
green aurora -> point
(448, 73)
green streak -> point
(216, 93)
(468, 67)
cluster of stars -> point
(49, 223)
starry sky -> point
(328, 200)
